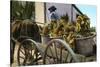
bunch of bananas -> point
(49, 29)
(67, 30)
(83, 25)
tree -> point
(22, 10)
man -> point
(49, 28)
(53, 16)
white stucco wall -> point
(39, 12)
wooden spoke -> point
(21, 57)
(56, 51)
(60, 54)
(66, 57)
(22, 52)
(51, 51)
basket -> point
(84, 46)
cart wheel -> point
(28, 53)
(58, 51)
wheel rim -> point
(57, 53)
(27, 53)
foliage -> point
(22, 10)
(93, 29)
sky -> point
(91, 12)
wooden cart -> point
(55, 51)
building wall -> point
(39, 12)
(42, 12)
